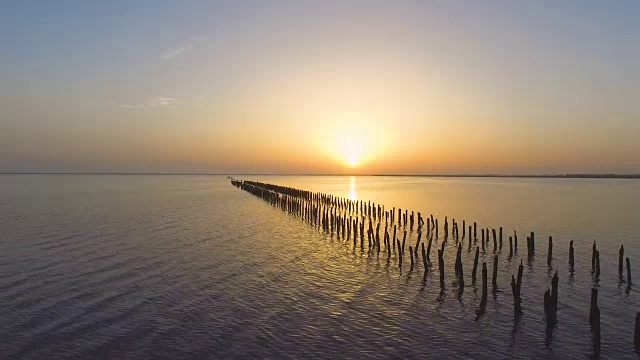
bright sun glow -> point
(351, 148)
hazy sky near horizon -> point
(411, 87)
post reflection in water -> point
(352, 188)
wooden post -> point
(550, 251)
(424, 260)
(515, 241)
(417, 243)
(411, 254)
(441, 268)
(628, 273)
(571, 261)
(500, 237)
(483, 302)
(551, 301)
(510, 246)
(460, 269)
(597, 264)
(400, 255)
(429, 249)
(517, 308)
(620, 260)
(494, 280)
(593, 257)
(475, 231)
(475, 265)
(495, 241)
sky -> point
(320, 87)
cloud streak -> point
(155, 102)
(176, 53)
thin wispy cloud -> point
(155, 102)
(176, 52)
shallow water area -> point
(174, 266)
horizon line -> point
(461, 175)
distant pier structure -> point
(349, 220)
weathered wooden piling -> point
(597, 264)
(424, 260)
(495, 241)
(483, 302)
(550, 251)
(517, 307)
(411, 254)
(475, 231)
(571, 259)
(620, 260)
(400, 254)
(460, 270)
(418, 243)
(475, 265)
(628, 273)
(515, 241)
(500, 239)
(429, 249)
(441, 267)
(510, 246)
(593, 257)
(551, 301)
(494, 279)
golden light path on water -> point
(352, 188)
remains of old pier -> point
(348, 220)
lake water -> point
(192, 267)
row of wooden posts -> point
(330, 213)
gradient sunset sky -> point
(365, 87)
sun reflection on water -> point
(352, 188)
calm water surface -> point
(189, 266)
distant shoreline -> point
(548, 176)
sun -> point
(351, 149)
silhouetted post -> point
(500, 237)
(551, 301)
(515, 241)
(475, 231)
(424, 259)
(628, 273)
(418, 243)
(597, 264)
(483, 302)
(460, 269)
(464, 228)
(400, 254)
(475, 265)
(441, 268)
(550, 251)
(517, 308)
(533, 244)
(593, 257)
(482, 239)
(510, 246)
(411, 253)
(495, 241)
(620, 260)
(636, 333)
(436, 228)
(571, 261)
(429, 250)
(494, 280)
